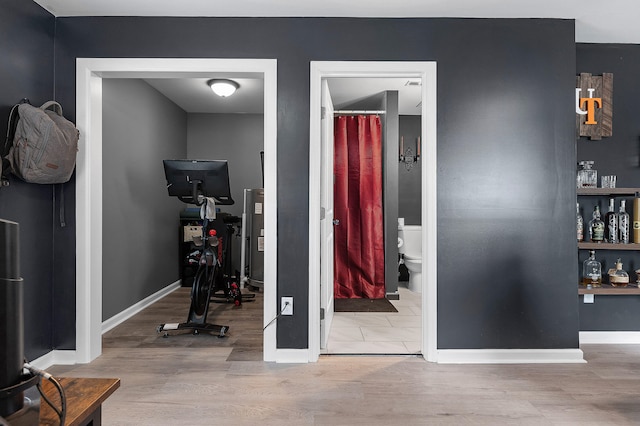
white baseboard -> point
(510, 356)
(292, 356)
(55, 357)
(68, 357)
(134, 309)
(610, 337)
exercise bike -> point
(197, 182)
(229, 291)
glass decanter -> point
(587, 176)
(619, 277)
(591, 271)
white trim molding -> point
(292, 356)
(89, 75)
(138, 307)
(56, 357)
(610, 337)
(427, 72)
(510, 356)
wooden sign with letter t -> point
(594, 105)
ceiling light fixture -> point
(223, 87)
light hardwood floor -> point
(198, 380)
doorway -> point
(320, 305)
(90, 72)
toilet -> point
(410, 244)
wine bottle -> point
(596, 227)
(636, 218)
(623, 223)
(611, 223)
(579, 224)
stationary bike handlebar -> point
(196, 194)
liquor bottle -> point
(623, 223)
(636, 218)
(579, 223)
(611, 223)
(619, 277)
(596, 227)
(591, 271)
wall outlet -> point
(286, 305)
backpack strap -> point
(14, 116)
(61, 210)
(11, 130)
(57, 108)
(5, 166)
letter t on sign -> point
(596, 121)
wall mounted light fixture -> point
(406, 156)
(223, 87)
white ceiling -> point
(346, 91)
(597, 21)
(194, 95)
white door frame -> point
(427, 72)
(327, 229)
(89, 75)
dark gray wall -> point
(26, 71)
(237, 138)
(506, 186)
(506, 154)
(618, 155)
(409, 181)
(141, 127)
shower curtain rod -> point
(358, 112)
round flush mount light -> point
(223, 87)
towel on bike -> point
(208, 209)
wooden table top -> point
(84, 396)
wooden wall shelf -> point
(607, 290)
(608, 191)
(608, 246)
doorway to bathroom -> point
(326, 80)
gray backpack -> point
(44, 146)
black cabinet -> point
(189, 251)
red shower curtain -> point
(359, 235)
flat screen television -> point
(190, 180)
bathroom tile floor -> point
(379, 332)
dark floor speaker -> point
(11, 319)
